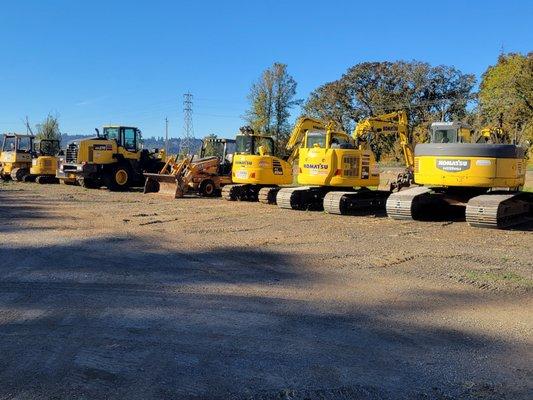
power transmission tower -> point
(166, 137)
(187, 140)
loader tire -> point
(118, 178)
(208, 188)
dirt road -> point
(126, 296)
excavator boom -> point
(395, 123)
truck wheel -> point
(207, 188)
(18, 174)
(118, 178)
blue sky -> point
(129, 62)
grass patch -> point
(528, 189)
(499, 277)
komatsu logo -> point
(316, 166)
(243, 162)
(453, 165)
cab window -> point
(340, 142)
(244, 144)
(10, 144)
(444, 136)
(129, 139)
(267, 143)
(24, 144)
(111, 133)
(316, 139)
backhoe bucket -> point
(163, 184)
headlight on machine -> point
(34, 162)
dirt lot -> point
(126, 296)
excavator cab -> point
(450, 132)
(252, 144)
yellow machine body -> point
(462, 171)
(329, 157)
(337, 167)
(458, 162)
(16, 156)
(114, 159)
(480, 179)
(44, 165)
(259, 169)
(254, 162)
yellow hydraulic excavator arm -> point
(394, 123)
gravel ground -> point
(129, 296)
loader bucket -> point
(162, 184)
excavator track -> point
(407, 204)
(353, 202)
(301, 198)
(267, 195)
(230, 192)
(238, 192)
(499, 210)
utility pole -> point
(166, 137)
(188, 130)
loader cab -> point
(129, 138)
(221, 148)
(17, 143)
(450, 132)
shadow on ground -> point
(122, 318)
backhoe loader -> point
(115, 159)
(204, 176)
(16, 156)
(256, 172)
(339, 169)
(480, 181)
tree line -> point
(428, 94)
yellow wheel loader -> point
(257, 172)
(16, 156)
(480, 181)
(205, 176)
(338, 169)
(115, 159)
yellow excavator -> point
(339, 169)
(44, 161)
(480, 181)
(257, 172)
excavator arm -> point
(303, 125)
(395, 123)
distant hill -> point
(149, 143)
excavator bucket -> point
(163, 184)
